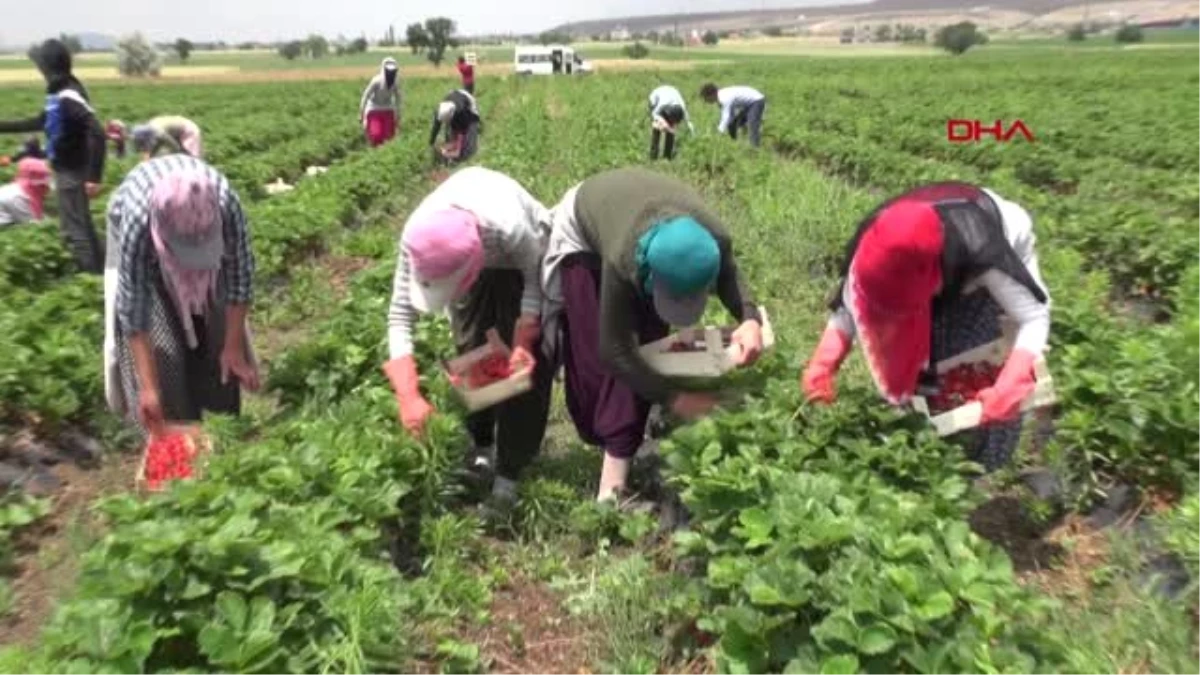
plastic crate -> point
(489, 395)
(706, 352)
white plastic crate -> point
(709, 355)
(489, 395)
(970, 415)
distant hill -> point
(829, 20)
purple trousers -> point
(606, 412)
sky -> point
(267, 20)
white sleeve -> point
(726, 110)
(842, 321)
(1032, 317)
(366, 96)
(401, 315)
(528, 248)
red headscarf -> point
(33, 176)
(895, 273)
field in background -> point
(323, 539)
(245, 65)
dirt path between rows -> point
(49, 552)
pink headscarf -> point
(184, 205)
(33, 177)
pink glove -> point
(414, 409)
(820, 374)
(1002, 401)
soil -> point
(341, 270)
(1003, 521)
(530, 632)
(49, 552)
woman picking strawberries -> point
(177, 291)
(475, 246)
(631, 252)
(927, 277)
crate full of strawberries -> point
(953, 408)
(176, 454)
(490, 374)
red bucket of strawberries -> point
(174, 454)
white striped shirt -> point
(513, 226)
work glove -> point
(414, 409)
(821, 373)
(526, 332)
(1002, 401)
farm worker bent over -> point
(177, 292)
(474, 246)
(167, 135)
(115, 132)
(379, 109)
(740, 107)
(667, 110)
(467, 72)
(927, 276)
(459, 113)
(22, 200)
(631, 252)
(75, 145)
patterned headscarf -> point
(33, 176)
(186, 227)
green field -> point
(846, 539)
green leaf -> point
(877, 639)
(756, 527)
(842, 664)
(936, 606)
(905, 580)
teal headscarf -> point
(681, 254)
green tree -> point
(183, 48)
(136, 57)
(1129, 33)
(291, 50)
(959, 37)
(773, 31)
(416, 38)
(1077, 33)
(636, 50)
(710, 38)
(552, 37)
(441, 37)
(883, 33)
(316, 46)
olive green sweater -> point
(613, 210)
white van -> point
(549, 60)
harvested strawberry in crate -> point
(171, 456)
(489, 370)
(490, 373)
(959, 386)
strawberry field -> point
(321, 538)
